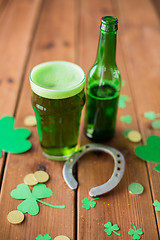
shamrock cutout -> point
(88, 204)
(30, 205)
(122, 101)
(157, 205)
(109, 228)
(151, 115)
(135, 232)
(46, 237)
(126, 119)
(156, 124)
(13, 140)
(151, 151)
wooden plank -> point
(139, 17)
(157, 6)
(2, 5)
(17, 26)
(54, 40)
(118, 206)
(144, 79)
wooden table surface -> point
(34, 31)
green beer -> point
(103, 85)
(102, 104)
(57, 99)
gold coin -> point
(61, 237)
(30, 180)
(30, 121)
(15, 217)
(134, 136)
(41, 176)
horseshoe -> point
(116, 177)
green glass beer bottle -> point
(103, 85)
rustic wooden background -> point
(34, 31)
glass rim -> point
(57, 94)
(109, 20)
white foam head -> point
(57, 79)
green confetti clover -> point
(46, 237)
(125, 132)
(157, 205)
(30, 205)
(135, 232)
(156, 124)
(13, 140)
(126, 119)
(109, 228)
(151, 151)
(88, 204)
(122, 101)
(151, 115)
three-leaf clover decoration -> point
(157, 205)
(46, 237)
(151, 115)
(151, 151)
(126, 119)
(135, 232)
(122, 101)
(30, 205)
(13, 140)
(111, 228)
(88, 204)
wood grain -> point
(54, 39)
(17, 22)
(142, 46)
(34, 31)
(118, 206)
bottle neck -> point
(107, 49)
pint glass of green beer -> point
(57, 100)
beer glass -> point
(57, 100)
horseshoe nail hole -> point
(117, 174)
(118, 155)
(87, 146)
(80, 151)
(118, 168)
(119, 161)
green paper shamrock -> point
(156, 124)
(157, 205)
(150, 115)
(46, 237)
(136, 233)
(109, 228)
(88, 204)
(125, 132)
(13, 140)
(122, 101)
(30, 205)
(126, 119)
(151, 151)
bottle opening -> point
(109, 24)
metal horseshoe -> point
(111, 183)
